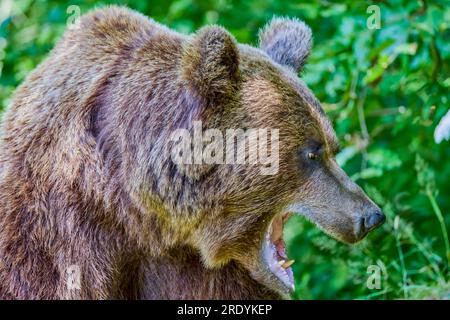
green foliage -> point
(385, 90)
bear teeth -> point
(287, 264)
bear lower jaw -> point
(274, 252)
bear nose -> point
(374, 220)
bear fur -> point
(86, 179)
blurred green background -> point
(385, 89)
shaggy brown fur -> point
(86, 178)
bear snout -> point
(369, 222)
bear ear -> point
(210, 62)
(287, 41)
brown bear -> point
(92, 203)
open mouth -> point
(274, 252)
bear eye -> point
(312, 156)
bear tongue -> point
(281, 249)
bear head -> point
(230, 210)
